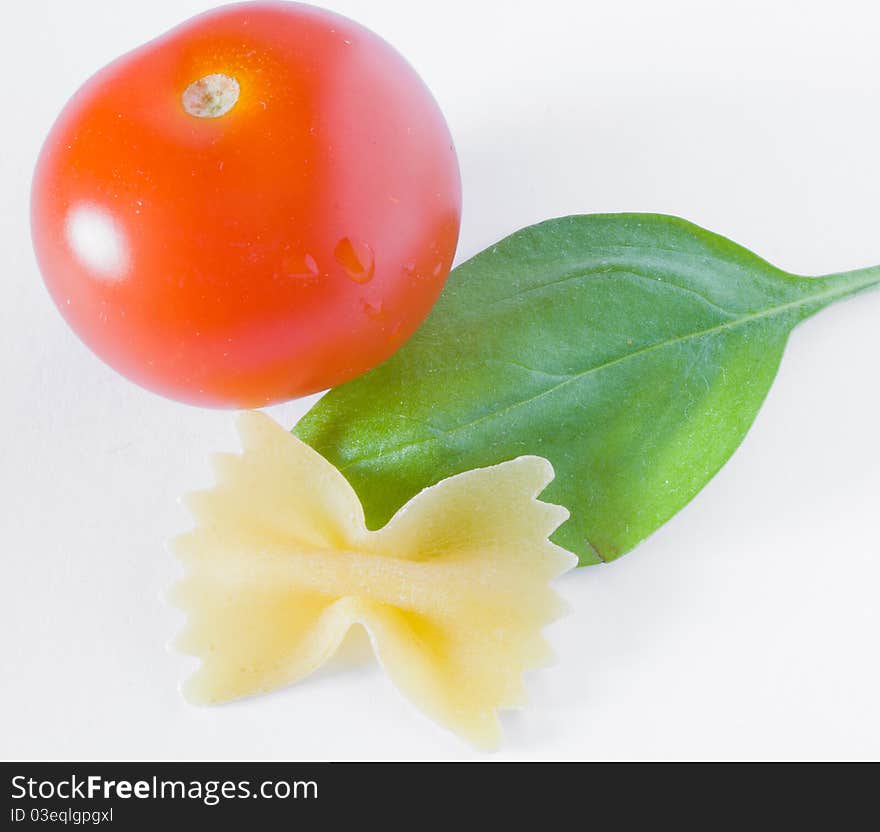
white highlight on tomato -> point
(97, 241)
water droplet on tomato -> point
(410, 268)
(437, 269)
(356, 257)
(302, 266)
(373, 310)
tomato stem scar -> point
(212, 96)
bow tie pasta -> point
(453, 591)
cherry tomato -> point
(262, 203)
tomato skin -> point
(279, 249)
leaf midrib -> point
(598, 269)
(599, 272)
(830, 294)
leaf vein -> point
(577, 377)
(595, 272)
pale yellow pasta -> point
(453, 591)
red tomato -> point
(262, 203)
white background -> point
(748, 627)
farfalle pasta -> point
(453, 591)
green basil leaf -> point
(632, 351)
